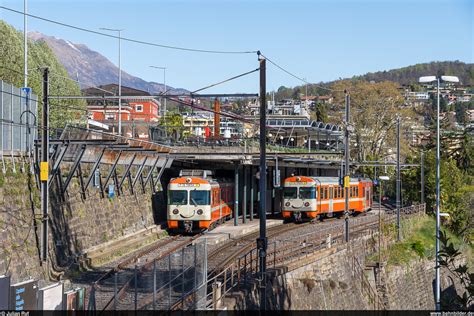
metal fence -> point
(294, 251)
(18, 120)
(178, 280)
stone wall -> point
(19, 225)
(76, 224)
(335, 281)
(332, 281)
(412, 286)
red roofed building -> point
(136, 114)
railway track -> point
(121, 277)
(219, 256)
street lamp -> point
(119, 79)
(428, 79)
(164, 83)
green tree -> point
(374, 107)
(461, 112)
(457, 191)
(173, 123)
(448, 259)
(39, 55)
(321, 111)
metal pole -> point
(154, 284)
(262, 240)
(25, 43)
(380, 227)
(438, 289)
(244, 195)
(120, 86)
(169, 281)
(44, 167)
(422, 175)
(164, 82)
(115, 290)
(398, 179)
(136, 287)
(182, 278)
(347, 170)
(252, 191)
(195, 277)
(236, 200)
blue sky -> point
(317, 40)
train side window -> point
(356, 191)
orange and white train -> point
(315, 197)
(197, 201)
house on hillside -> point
(136, 114)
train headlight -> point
(306, 204)
(287, 204)
(175, 211)
(199, 212)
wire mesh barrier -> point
(177, 280)
(18, 120)
(296, 251)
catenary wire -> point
(128, 39)
(297, 77)
(224, 81)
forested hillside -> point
(39, 55)
(405, 76)
(409, 75)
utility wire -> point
(224, 81)
(297, 77)
(129, 39)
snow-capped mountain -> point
(93, 69)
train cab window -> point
(201, 197)
(356, 190)
(290, 193)
(178, 197)
(308, 193)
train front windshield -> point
(290, 193)
(307, 193)
(301, 193)
(200, 197)
(178, 197)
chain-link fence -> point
(175, 281)
(18, 119)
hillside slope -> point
(39, 55)
(409, 75)
(93, 69)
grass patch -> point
(418, 241)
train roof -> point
(209, 180)
(330, 180)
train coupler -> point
(297, 216)
(188, 226)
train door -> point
(368, 196)
(222, 189)
(331, 199)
